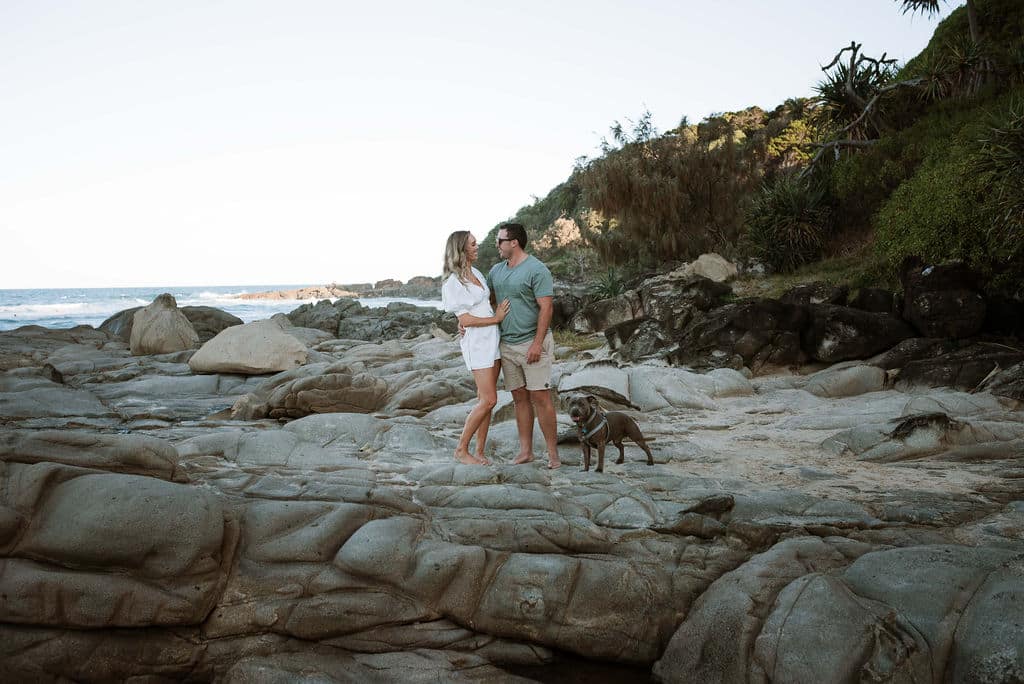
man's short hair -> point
(516, 231)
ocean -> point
(66, 308)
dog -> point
(597, 427)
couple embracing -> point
(512, 337)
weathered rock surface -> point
(252, 349)
(964, 368)
(874, 299)
(839, 333)
(816, 293)
(673, 301)
(207, 321)
(605, 313)
(161, 329)
(758, 332)
(942, 300)
(711, 266)
(324, 315)
(793, 528)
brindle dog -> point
(597, 427)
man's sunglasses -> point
(500, 240)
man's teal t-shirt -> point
(521, 286)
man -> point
(527, 346)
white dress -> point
(480, 343)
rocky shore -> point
(837, 495)
(420, 287)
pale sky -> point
(150, 143)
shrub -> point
(788, 222)
(997, 158)
(609, 284)
(964, 200)
(935, 214)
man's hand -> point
(533, 353)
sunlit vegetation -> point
(884, 161)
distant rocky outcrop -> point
(348, 319)
(419, 287)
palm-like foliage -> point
(999, 158)
(788, 223)
(928, 7)
(840, 108)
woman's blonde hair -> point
(455, 259)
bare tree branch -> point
(910, 83)
(833, 145)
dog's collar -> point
(603, 423)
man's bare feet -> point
(522, 458)
(555, 464)
(481, 459)
(463, 456)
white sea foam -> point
(45, 310)
(66, 308)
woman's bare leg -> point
(485, 424)
(487, 397)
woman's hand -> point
(502, 310)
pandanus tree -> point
(931, 7)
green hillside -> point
(926, 160)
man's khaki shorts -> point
(517, 373)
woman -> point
(466, 295)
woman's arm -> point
(470, 321)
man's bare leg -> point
(545, 409)
(524, 424)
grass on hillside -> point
(577, 342)
(863, 269)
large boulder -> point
(964, 368)
(324, 315)
(206, 320)
(647, 339)
(839, 333)
(874, 299)
(1004, 316)
(565, 305)
(209, 320)
(1007, 383)
(818, 292)
(394, 322)
(711, 266)
(161, 329)
(250, 349)
(758, 332)
(942, 300)
(913, 349)
(338, 392)
(120, 324)
(672, 301)
(605, 313)
(315, 388)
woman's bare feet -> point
(554, 464)
(522, 458)
(462, 455)
(481, 459)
